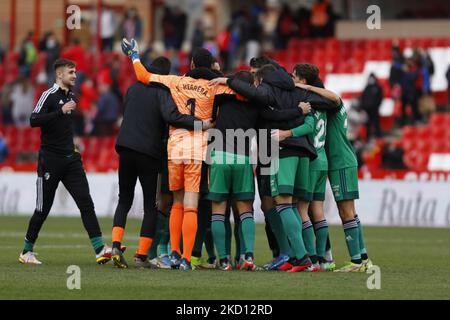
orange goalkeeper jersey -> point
(192, 96)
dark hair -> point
(264, 71)
(245, 76)
(202, 58)
(259, 62)
(161, 65)
(309, 72)
(63, 63)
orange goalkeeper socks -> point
(175, 226)
(144, 245)
(117, 235)
(189, 231)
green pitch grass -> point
(414, 265)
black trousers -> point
(53, 168)
(134, 165)
(373, 123)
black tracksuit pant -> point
(52, 169)
(134, 165)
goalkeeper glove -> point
(131, 49)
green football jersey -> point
(339, 151)
(320, 133)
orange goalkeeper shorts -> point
(184, 175)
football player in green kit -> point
(315, 235)
(343, 177)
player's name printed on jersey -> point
(196, 88)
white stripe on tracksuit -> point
(44, 97)
(40, 194)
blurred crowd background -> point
(395, 82)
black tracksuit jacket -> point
(278, 91)
(147, 110)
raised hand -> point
(130, 48)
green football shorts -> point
(230, 175)
(292, 178)
(317, 184)
(344, 183)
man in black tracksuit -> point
(59, 161)
(140, 146)
(276, 89)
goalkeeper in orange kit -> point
(186, 149)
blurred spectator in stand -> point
(27, 56)
(107, 111)
(356, 118)
(211, 45)
(6, 104)
(426, 66)
(172, 55)
(169, 30)
(410, 93)
(76, 53)
(115, 81)
(86, 106)
(50, 45)
(198, 37)
(224, 42)
(180, 23)
(22, 97)
(2, 53)
(108, 28)
(3, 148)
(284, 28)
(148, 55)
(371, 99)
(321, 19)
(253, 37)
(237, 48)
(396, 73)
(132, 25)
(392, 156)
(303, 19)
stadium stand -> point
(344, 65)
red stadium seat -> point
(438, 132)
(438, 119)
(438, 146)
(423, 146)
(423, 133)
